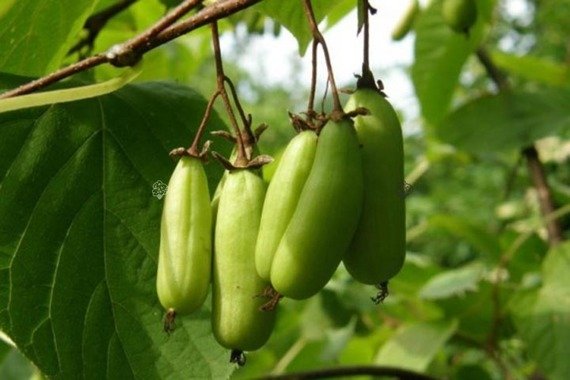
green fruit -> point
(405, 25)
(282, 197)
(237, 322)
(325, 218)
(460, 15)
(378, 249)
(184, 261)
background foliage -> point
(482, 295)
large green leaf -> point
(509, 120)
(35, 35)
(542, 316)
(79, 231)
(440, 55)
(291, 15)
(415, 346)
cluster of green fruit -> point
(336, 195)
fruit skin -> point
(460, 15)
(378, 247)
(185, 254)
(282, 196)
(325, 218)
(237, 322)
(405, 25)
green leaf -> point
(454, 282)
(440, 55)
(79, 234)
(533, 68)
(414, 346)
(542, 316)
(291, 15)
(35, 36)
(509, 120)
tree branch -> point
(399, 373)
(130, 52)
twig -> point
(216, 11)
(399, 373)
(337, 107)
(95, 23)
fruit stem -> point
(366, 79)
(311, 106)
(194, 149)
(241, 159)
(319, 39)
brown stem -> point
(216, 11)
(400, 373)
(194, 148)
(337, 107)
(538, 175)
(241, 158)
(96, 22)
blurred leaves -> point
(507, 121)
(542, 315)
